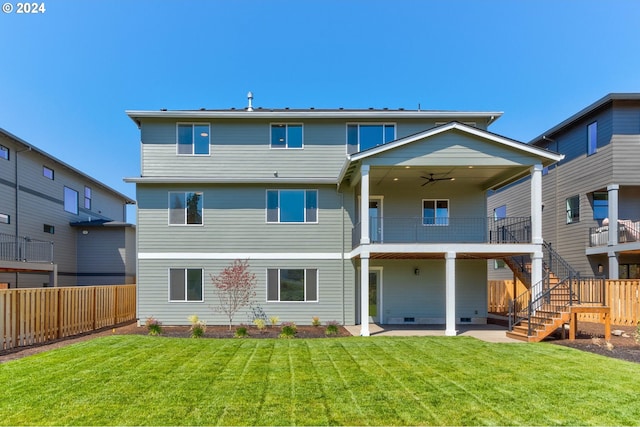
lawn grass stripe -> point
(138, 380)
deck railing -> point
(25, 249)
(628, 231)
(446, 230)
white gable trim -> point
(463, 128)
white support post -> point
(612, 200)
(614, 267)
(536, 274)
(364, 295)
(450, 294)
(364, 205)
(536, 204)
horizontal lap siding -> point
(335, 300)
(406, 294)
(235, 221)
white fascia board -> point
(316, 114)
(443, 248)
(185, 180)
(464, 128)
(243, 255)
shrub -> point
(241, 332)
(289, 330)
(198, 327)
(315, 321)
(260, 324)
(154, 326)
(274, 320)
(637, 334)
(332, 328)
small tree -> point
(235, 288)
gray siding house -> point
(58, 226)
(591, 198)
(349, 215)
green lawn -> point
(139, 380)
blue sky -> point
(68, 75)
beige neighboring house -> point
(59, 226)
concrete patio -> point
(489, 333)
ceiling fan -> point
(431, 179)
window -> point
(573, 209)
(292, 284)
(600, 205)
(70, 200)
(87, 198)
(49, 229)
(292, 206)
(435, 212)
(185, 284)
(47, 173)
(185, 208)
(4, 152)
(286, 136)
(500, 212)
(545, 171)
(5, 219)
(193, 139)
(592, 138)
(361, 137)
(499, 264)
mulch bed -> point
(590, 337)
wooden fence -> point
(622, 296)
(33, 316)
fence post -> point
(115, 305)
(60, 308)
(14, 319)
(95, 307)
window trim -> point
(286, 146)
(435, 218)
(64, 200)
(186, 224)
(193, 144)
(185, 285)
(87, 198)
(44, 172)
(4, 149)
(358, 149)
(305, 269)
(592, 143)
(304, 190)
(570, 219)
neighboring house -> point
(58, 226)
(591, 199)
(286, 190)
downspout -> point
(17, 216)
(342, 255)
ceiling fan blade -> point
(425, 183)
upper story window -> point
(435, 212)
(5, 219)
(4, 152)
(573, 209)
(292, 206)
(48, 228)
(87, 198)
(70, 200)
(47, 172)
(600, 205)
(185, 208)
(193, 138)
(284, 135)
(500, 212)
(592, 138)
(363, 136)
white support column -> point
(364, 295)
(612, 200)
(536, 274)
(614, 270)
(364, 205)
(450, 298)
(53, 277)
(536, 204)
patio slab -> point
(488, 333)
